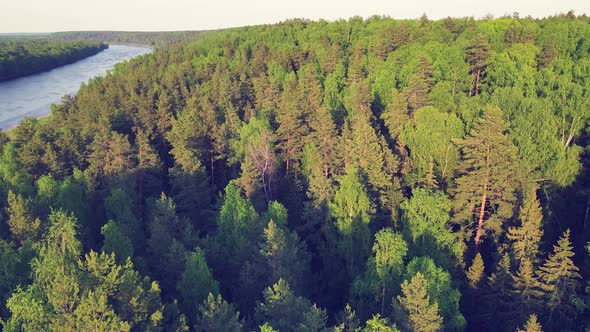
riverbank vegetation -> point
(22, 56)
(147, 38)
(356, 175)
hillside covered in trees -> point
(25, 56)
(356, 175)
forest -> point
(22, 56)
(354, 175)
(158, 39)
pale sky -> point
(160, 15)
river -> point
(32, 96)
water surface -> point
(33, 95)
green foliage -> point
(23, 225)
(21, 57)
(72, 294)
(527, 237)
(237, 220)
(351, 208)
(378, 324)
(559, 279)
(384, 269)
(196, 283)
(218, 316)
(532, 325)
(287, 312)
(433, 136)
(427, 217)
(484, 195)
(422, 314)
(286, 256)
(115, 241)
(440, 290)
(169, 240)
(476, 272)
(429, 137)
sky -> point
(166, 15)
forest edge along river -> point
(33, 95)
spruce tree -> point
(559, 280)
(495, 308)
(527, 292)
(532, 325)
(526, 238)
(423, 315)
(485, 187)
(475, 272)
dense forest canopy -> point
(357, 175)
(150, 38)
(21, 56)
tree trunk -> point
(477, 82)
(212, 170)
(484, 197)
(382, 300)
(288, 155)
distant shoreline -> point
(151, 47)
(48, 114)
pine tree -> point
(476, 272)
(149, 167)
(526, 238)
(119, 208)
(169, 238)
(95, 314)
(192, 194)
(218, 316)
(477, 55)
(23, 225)
(485, 187)
(532, 325)
(559, 280)
(293, 122)
(347, 321)
(548, 53)
(284, 310)
(422, 314)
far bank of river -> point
(32, 96)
